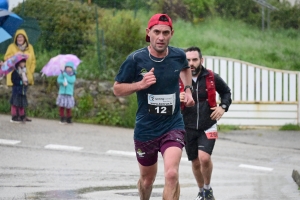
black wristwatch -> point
(224, 106)
(189, 86)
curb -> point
(296, 177)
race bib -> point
(212, 132)
(161, 104)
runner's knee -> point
(171, 174)
(146, 182)
(196, 163)
(205, 159)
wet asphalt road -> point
(45, 160)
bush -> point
(174, 8)
(65, 24)
(286, 16)
(200, 8)
(122, 35)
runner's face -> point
(160, 36)
(195, 62)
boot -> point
(62, 120)
(23, 119)
(69, 120)
(15, 119)
(27, 119)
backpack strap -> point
(211, 89)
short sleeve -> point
(127, 71)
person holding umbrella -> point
(21, 45)
(65, 99)
(18, 98)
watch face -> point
(224, 106)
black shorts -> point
(196, 140)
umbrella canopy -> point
(9, 23)
(9, 64)
(32, 29)
(57, 64)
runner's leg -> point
(206, 166)
(147, 178)
(196, 167)
(172, 156)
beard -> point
(197, 70)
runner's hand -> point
(148, 80)
(182, 96)
(188, 99)
(217, 113)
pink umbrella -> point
(57, 64)
(9, 64)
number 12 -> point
(161, 110)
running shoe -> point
(200, 196)
(208, 194)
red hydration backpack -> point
(210, 88)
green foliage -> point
(290, 127)
(108, 116)
(246, 10)
(128, 116)
(65, 24)
(174, 8)
(44, 111)
(121, 4)
(83, 106)
(235, 39)
(226, 128)
(200, 8)
(286, 16)
(4, 106)
(122, 36)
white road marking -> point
(10, 142)
(256, 167)
(123, 153)
(63, 147)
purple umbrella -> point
(57, 64)
(9, 64)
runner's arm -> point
(186, 78)
(124, 89)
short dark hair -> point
(194, 49)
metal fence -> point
(261, 96)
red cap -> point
(156, 19)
